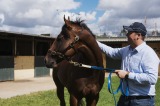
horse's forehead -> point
(76, 26)
(73, 25)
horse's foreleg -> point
(92, 100)
(60, 89)
(60, 94)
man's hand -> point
(121, 73)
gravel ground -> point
(20, 87)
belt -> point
(137, 97)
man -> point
(139, 67)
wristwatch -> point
(126, 76)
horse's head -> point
(68, 41)
(64, 45)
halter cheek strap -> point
(62, 55)
(76, 39)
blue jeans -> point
(123, 101)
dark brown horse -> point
(77, 43)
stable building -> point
(22, 55)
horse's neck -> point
(91, 59)
(88, 55)
(93, 46)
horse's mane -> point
(81, 23)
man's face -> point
(132, 38)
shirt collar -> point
(138, 48)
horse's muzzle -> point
(50, 64)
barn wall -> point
(24, 67)
(6, 59)
(23, 74)
(104, 60)
(6, 68)
(24, 62)
(112, 63)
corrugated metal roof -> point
(102, 39)
(25, 34)
(124, 39)
(112, 39)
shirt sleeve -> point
(114, 53)
(150, 65)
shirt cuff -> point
(131, 75)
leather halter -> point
(61, 55)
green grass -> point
(49, 98)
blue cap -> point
(136, 27)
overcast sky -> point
(46, 16)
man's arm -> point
(109, 51)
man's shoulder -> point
(148, 48)
(149, 51)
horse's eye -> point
(66, 36)
(58, 39)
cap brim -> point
(127, 28)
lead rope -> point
(110, 89)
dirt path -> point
(20, 87)
(13, 88)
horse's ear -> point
(67, 22)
